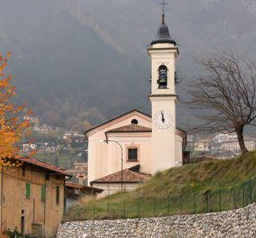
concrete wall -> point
(240, 223)
(14, 203)
(112, 188)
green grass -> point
(63, 160)
(213, 185)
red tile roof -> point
(83, 187)
(46, 166)
(129, 176)
(131, 128)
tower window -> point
(132, 155)
(162, 81)
(134, 121)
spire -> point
(163, 35)
(163, 20)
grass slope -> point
(200, 177)
(213, 185)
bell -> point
(162, 78)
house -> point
(32, 197)
(79, 193)
(221, 137)
(202, 145)
(151, 142)
(27, 147)
(233, 145)
(79, 171)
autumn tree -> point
(226, 90)
(11, 126)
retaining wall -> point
(240, 223)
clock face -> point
(163, 119)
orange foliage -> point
(3, 236)
(11, 127)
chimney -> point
(81, 180)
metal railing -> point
(190, 203)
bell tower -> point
(163, 53)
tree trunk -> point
(240, 137)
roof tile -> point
(43, 165)
(131, 128)
(83, 187)
(129, 176)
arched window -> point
(134, 121)
(162, 81)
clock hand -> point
(162, 116)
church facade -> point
(128, 149)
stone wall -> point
(240, 223)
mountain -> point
(80, 62)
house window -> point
(132, 154)
(23, 171)
(57, 194)
(43, 193)
(47, 177)
(28, 190)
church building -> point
(128, 149)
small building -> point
(221, 137)
(202, 145)
(32, 198)
(126, 180)
(78, 193)
(126, 141)
(79, 171)
(233, 145)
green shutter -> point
(43, 193)
(28, 190)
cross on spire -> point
(163, 3)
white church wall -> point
(98, 153)
(112, 188)
(141, 140)
(179, 151)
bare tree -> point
(227, 91)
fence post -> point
(243, 194)
(207, 201)
(250, 190)
(194, 202)
(124, 209)
(154, 206)
(180, 204)
(168, 206)
(94, 211)
(108, 207)
(139, 209)
(78, 211)
(220, 200)
(69, 213)
(234, 197)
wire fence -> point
(190, 203)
